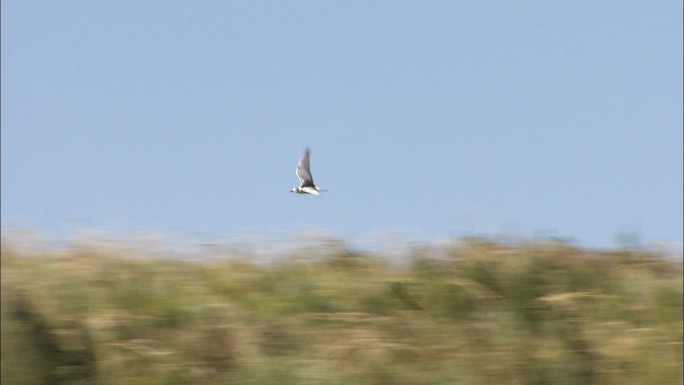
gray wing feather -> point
(303, 171)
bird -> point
(303, 172)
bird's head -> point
(296, 189)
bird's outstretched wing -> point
(303, 171)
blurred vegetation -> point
(472, 312)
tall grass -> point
(476, 312)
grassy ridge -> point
(481, 313)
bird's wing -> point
(303, 172)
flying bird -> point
(306, 184)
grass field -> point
(477, 312)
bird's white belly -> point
(310, 190)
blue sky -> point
(435, 119)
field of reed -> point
(474, 311)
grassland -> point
(477, 312)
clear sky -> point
(433, 119)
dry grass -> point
(480, 313)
